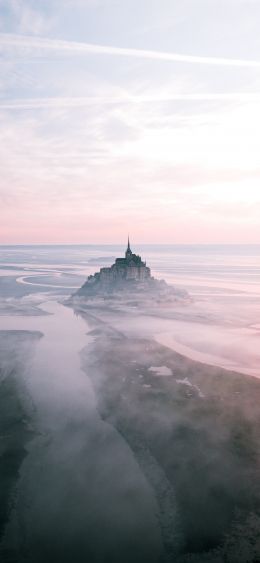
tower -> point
(128, 252)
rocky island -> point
(192, 427)
(114, 445)
(129, 277)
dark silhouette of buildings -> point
(131, 267)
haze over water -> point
(130, 422)
(89, 489)
(221, 326)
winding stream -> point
(81, 495)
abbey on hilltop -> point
(128, 276)
(129, 268)
(126, 273)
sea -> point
(221, 324)
(79, 475)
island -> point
(193, 428)
(128, 280)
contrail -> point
(75, 102)
(29, 42)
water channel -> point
(81, 495)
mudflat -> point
(194, 430)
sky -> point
(129, 116)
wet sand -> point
(194, 433)
(144, 455)
(136, 453)
(205, 334)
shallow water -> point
(221, 325)
(63, 504)
(55, 380)
(80, 481)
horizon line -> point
(135, 244)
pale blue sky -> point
(98, 141)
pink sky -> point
(108, 126)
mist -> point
(129, 433)
(68, 497)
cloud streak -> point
(77, 102)
(8, 41)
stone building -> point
(131, 267)
(129, 277)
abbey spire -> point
(128, 252)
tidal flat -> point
(194, 431)
(122, 436)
